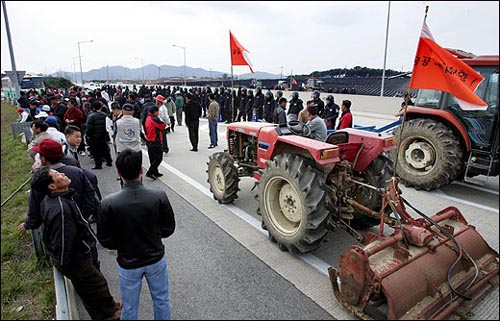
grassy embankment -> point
(27, 283)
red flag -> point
(436, 68)
(294, 82)
(239, 55)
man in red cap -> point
(23, 115)
(51, 155)
(163, 115)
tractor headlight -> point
(329, 153)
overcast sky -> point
(299, 36)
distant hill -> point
(153, 72)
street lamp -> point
(184, 48)
(74, 70)
(80, 56)
(142, 64)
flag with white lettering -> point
(436, 68)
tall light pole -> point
(142, 64)
(385, 50)
(184, 48)
(80, 56)
(74, 70)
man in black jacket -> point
(68, 239)
(192, 111)
(98, 137)
(133, 221)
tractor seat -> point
(337, 138)
(283, 130)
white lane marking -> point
(310, 259)
(458, 200)
(477, 187)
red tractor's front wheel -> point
(223, 177)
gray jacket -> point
(128, 131)
(318, 128)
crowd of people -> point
(96, 113)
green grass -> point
(27, 282)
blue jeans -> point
(212, 126)
(130, 289)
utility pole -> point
(281, 77)
(11, 51)
(80, 55)
(107, 72)
(183, 48)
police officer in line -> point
(331, 112)
(294, 107)
(319, 103)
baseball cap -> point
(42, 114)
(51, 119)
(160, 98)
(49, 148)
(46, 108)
(20, 110)
(128, 107)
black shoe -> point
(211, 146)
(158, 175)
(151, 176)
(97, 167)
(193, 150)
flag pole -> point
(400, 131)
(232, 78)
(232, 98)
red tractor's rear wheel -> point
(293, 203)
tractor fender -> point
(443, 116)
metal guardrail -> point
(62, 306)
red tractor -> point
(304, 184)
(440, 142)
(307, 187)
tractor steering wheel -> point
(298, 128)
